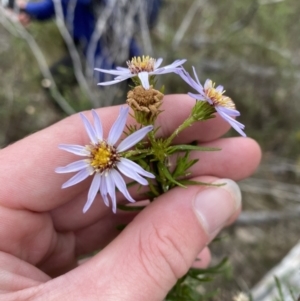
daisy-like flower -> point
(142, 67)
(214, 96)
(104, 160)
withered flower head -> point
(146, 101)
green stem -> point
(188, 122)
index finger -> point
(27, 176)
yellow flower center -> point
(218, 98)
(103, 156)
(139, 64)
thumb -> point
(159, 245)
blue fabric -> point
(153, 10)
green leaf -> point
(188, 147)
(168, 175)
(182, 165)
(279, 288)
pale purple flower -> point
(104, 160)
(214, 96)
(143, 67)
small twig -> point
(264, 2)
(96, 35)
(147, 44)
(70, 15)
(289, 192)
(247, 68)
(188, 18)
(73, 52)
(25, 35)
(255, 218)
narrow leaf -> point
(169, 176)
(187, 147)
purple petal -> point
(227, 117)
(89, 129)
(111, 189)
(197, 79)
(158, 63)
(175, 64)
(144, 78)
(120, 183)
(190, 81)
(113, 71)
(118, 126)
(169, 68)
(124, 77)
(134, 138)
(98, 125)
(92, 192)
(79, 177)
(235, 124)
(238, 129)
(103, 191)
(74, 149)
(72, 167)
(130, 172)
(228, 111)
(220, 89)
(135, 167)
(122, 68)
(208, 84)
(201, 97)
(109, 83)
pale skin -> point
(43, 229)
(24, 18)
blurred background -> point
(251, 47)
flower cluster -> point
(143, 161)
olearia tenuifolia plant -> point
(142, 155)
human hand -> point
(43, 229)
(23, 17)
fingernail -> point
(214, 206)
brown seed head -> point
(149, 101)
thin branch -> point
(186, 22)
(24, 34)
(147, 44)
(276, 189)
(73, 52)
(264, 2)
(120, 32)
(96, 35)
(255, 218)
(70, 15)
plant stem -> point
(188, 122)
